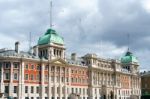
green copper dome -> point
(129, 58)
(50, 37)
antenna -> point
(30, 42)
(51, 5)
(101, 48)
(128, 36)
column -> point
(60, 85)
(97, 78)
(2, 79)
(106, 78)
(52, 53)
(63, 54)
(19, 88)
(102, 78)
(55, 85)
(49, 83)
(11, 80)
(21, 81)
(49, 53)
(65, 83)
(69, 79)
(139, 79)
(90, 93)
(42, 82)
(109, 79)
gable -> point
(58, 62)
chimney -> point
(17, 47)
(73, 56)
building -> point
(48, 74)
(145, 83)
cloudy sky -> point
(88, 26)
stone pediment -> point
(58, 62)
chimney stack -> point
(73, 56)
(17, 47)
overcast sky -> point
(88, 26)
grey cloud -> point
(107, 21)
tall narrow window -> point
(58, 90)
(38, 67)
(54, 52)
(60, 53)
(72, 90)
(16, 65)
(32, 89)
(26, 76)
(7, 65)
(15, 76)
(32, 77)
(6, 89)
(26, 89)
(46, 90)
(32, 66)
(7, 76)
(57, 53)
(37, 89)
(46, 77)
(62, 79)
(26, 67)
(41, 53)
(15, 89)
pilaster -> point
(60, 85)
(55, 85)
(65, 83)
(69, 79)
(90, 89)
(11, 80)
(2, 79)
(42, 81)
(49, 83)
(21, 87)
